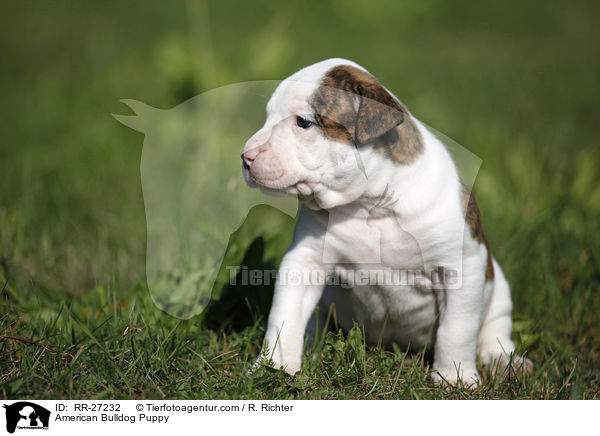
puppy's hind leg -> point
(495, 347)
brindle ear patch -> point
(379, 120)
(334, 113)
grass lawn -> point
(515, 83)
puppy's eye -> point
(303, 123)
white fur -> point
(342, 226)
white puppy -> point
(382, 206)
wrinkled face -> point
(323, 124)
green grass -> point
(515, 83)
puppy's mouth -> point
(302, 189)
(267, 188)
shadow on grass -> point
(240, 306)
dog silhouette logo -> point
(196, 199)
(26, 415)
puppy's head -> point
(324, 124)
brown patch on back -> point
(380, 118)
(473, 218)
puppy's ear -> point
(378, 112)
(374, 111)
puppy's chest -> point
(367, 239)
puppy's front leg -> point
(298, 290)
(460, 319)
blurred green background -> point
(517, 83)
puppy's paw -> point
(291, 369)
(508, 364)
(253, 368)
(456, 377)
(518, 367)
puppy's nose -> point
(246, 161)
(248, 157)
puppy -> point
(381, 197)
